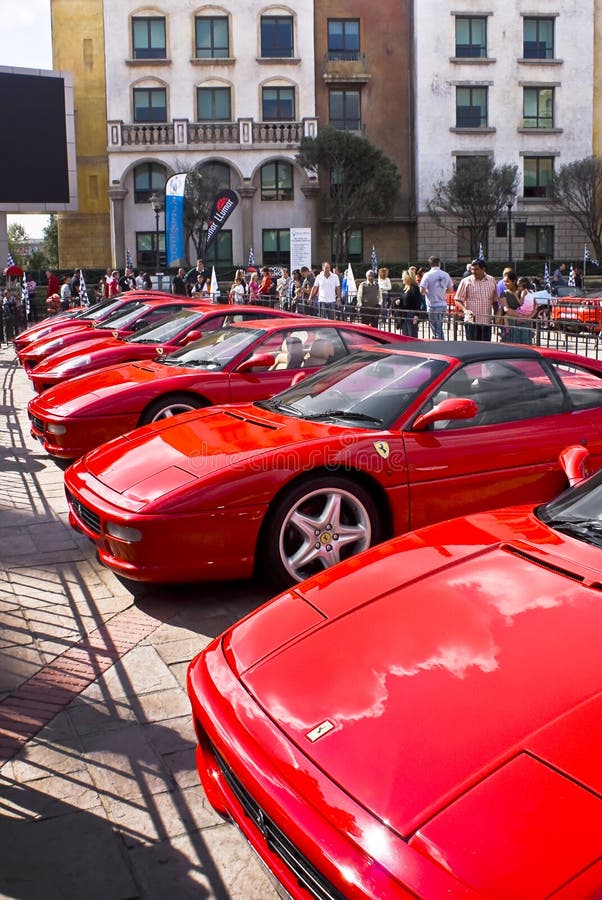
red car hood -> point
(433, 671)
(229, 438)
(61, 357)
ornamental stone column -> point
(246, 192)
(117, 223)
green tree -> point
(17, 242)
(364, 182)
(474, 196)
(50, 241)
(576, 192)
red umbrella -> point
(14, 271)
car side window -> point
(355, 339)
(583, 386)
(505, 390)
(212, 323)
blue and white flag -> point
(481, 254)
(571, 278)
(546, 278)
(373, 260)
(174, 219)
(83, 290)
(251, 258)
(9, 260)
(128, 259)
(587, 258)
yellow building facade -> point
(84, 236)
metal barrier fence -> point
(541, 331)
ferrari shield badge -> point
(382, 448)
(319, 731)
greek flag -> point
(373, 260)
(128, 259)
(251, 258)
(588, 258)
(546, 279)
(571, 280)
(83, 290)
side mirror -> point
(193, 335)
(258, 361)
(453, 408)
(575, 461)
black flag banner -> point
(225, 204)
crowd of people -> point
(478, 300)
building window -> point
(465, 163)
(219, 251)
(146, 255)
(471, 37)
(467, 242)
(277, 36)
(149, 178)
(537, 175)
(343, 39)
(538, 107)
(344, 110)
(538, 38)
(539, 242)
(278, 104)
(216, 176)
(213, 104)
(277, 181)
(211, 37)
(275, 246)
(471, 107)
(148, 37)
(150, 105)
(352, 248)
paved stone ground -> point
(99, 795)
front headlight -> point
(55, 429)
(124, 532)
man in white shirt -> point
(435, 285)
(328, 288)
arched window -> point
(216, 174)
(149, 178)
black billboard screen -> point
(34, 142)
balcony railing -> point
(180, 133)
(349, 66)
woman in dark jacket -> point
(408, 306)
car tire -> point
(298, 541)
(172, 405)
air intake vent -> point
(543, 563)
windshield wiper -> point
(283, 407)
(344, 414)
(579, 528)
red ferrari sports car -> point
(185, 326)
(131, 317)
(80, 318)
(424, 720)
(243, 362)
(376, 444)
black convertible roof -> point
(468, 351)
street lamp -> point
(157, 205)
(509, 205)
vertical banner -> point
(174, 219)
(300, 244)
(224, 205)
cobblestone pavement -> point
(99, 795)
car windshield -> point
(167, 329)
(104, 308)
(366, 389)
(124, 315)
(215, 350)
(577, 511)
